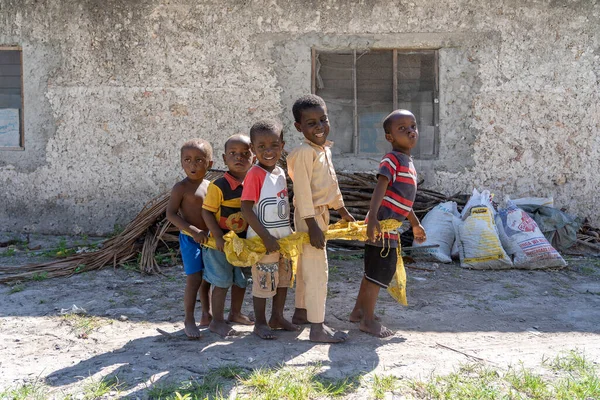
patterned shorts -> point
(267, 277)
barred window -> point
(362, 87)
(11, 99)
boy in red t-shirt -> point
(265, 205)
(393, 198)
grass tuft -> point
(383, 384)
(26, 391)
(82, 325)
(95, 389)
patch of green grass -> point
(383, 384)
(168, 258)
(117, 230)
(570, 376)
(580, 378)
(11, 251)
(572, 361)
(16, 288)
(211, 386)
(82, 325)
(295, 384)
(26, 391)
(60, 251)
(40, 276)
(529, 383)
(131, 267)
(471, 381)
(95, 389)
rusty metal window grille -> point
(11, 98)
(362, 87)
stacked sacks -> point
(484, 239)
(523, 239)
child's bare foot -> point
(282, 323)
(323, 334)
(191, 330)
(221, 328)
(205, 320)
(299, 317)
(356, 316)
(264, 332)
(375, 328)
(240, 318)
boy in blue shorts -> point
(393, 198)
(221, 212)
(183, 211)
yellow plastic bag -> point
(247, 252)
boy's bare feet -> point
(240, 318)
(282, 323)
(356, 316)
(221, 328)
(375, 328)
(299, 317)
(191, 330)
(205, 320)
(264, 332)
(323, 334)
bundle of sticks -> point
(357, 190)
(150, 231)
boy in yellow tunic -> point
(315, 192)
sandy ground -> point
(455, 316)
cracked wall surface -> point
(113, 88)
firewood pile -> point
(589, 235)
(357, 189)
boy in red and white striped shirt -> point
(393, 198)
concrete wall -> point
(113, 88)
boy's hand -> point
(373, 229)
(419, 233)
(219, 243)
(271, 244)
(316, 235)
(200, 237)
(346, 216)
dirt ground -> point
(455, 316)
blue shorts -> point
(191, 254)
(219, 272)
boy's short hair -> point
(304, 103)
(238, 137)
(199, 144)
(266, 125)
(388, 120)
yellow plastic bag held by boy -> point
(246, 252)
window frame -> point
(21, 146)
(395, 51)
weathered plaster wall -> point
(113, 88)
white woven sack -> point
(440, 231)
